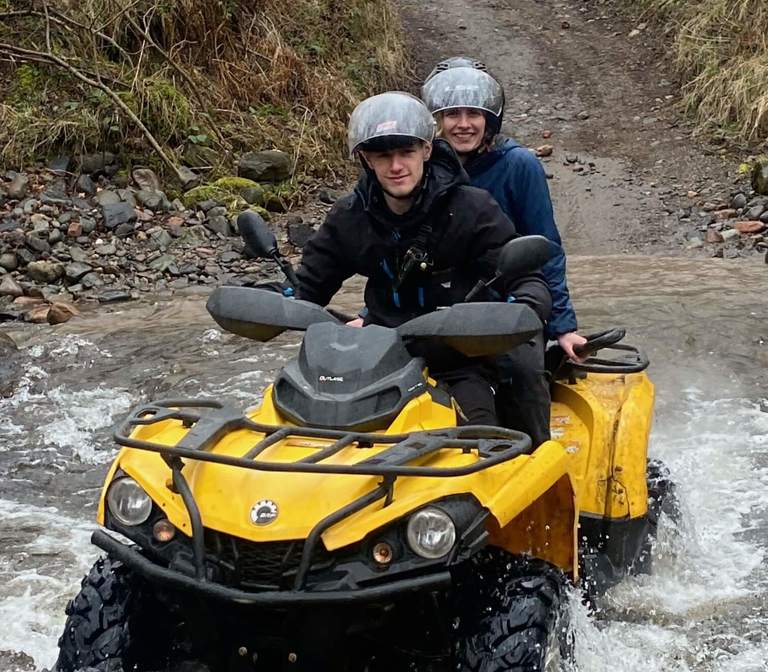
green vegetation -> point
(208, 80)
(721, 50)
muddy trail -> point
(623, 161)
(701, 321)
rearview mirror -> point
(256, 234)
(524, 255)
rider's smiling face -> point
(399, 171)
(463, 128)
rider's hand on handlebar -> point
(568, 342)
(357, 322)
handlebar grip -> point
(599, 340)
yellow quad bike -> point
(348, 523)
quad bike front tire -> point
(662, 499)
(518, 620)
(112, 612)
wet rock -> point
(271, 165)
(146, 179)
(10, 366)
(86, 185)
(749, 227)
(117, 213)
(9, 287)
(17, 189)
(45, 271)
(61, 312)
(113, 296)
(9, 261)
(754, 212)
(38, 314)
(739, 201)
(96, 163)
(76, 270)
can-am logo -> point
(331, 379)
(264, 512)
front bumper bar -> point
(273, 598)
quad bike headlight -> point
(128, 502)
(431, 533)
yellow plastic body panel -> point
(595, 464)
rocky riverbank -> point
(100, 236)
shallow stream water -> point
(703, 325)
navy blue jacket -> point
(516, 180)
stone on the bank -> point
(270, 165)
(218, 224)
(88, 224)
(200, 156)
(61, 312)
(37, 244)
(728, 234)
(188, 178)
(754, 212)
(695, 243)
(105, 249)
(107, 197)
(739, 201)
(714, 236)
(124, 230)
(17, 189)
(86, 185)
(75, 229)
(545, 150)
(60, 163)
(91, 280)
(160, 238)
(9, 287)
(299, 232)
(9, 261)
(760, 175)
(146, 179)
(96, 163)
(114, 295)
(76, 270)
(45, 271)
(37, 314)
(163, 263)
(722, 215)
(329, 196)
(117, 213)
(749, 227)
(154, 200)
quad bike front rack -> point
(209, 421)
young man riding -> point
(420, 235)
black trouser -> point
(471, 388)
(523, 395)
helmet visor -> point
(389, 115)
(463, 87)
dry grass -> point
(721, 49)
(242, 75)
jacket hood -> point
(500, 148)
(443, 172)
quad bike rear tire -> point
(518, 618)
(662, 499)
(111, 611)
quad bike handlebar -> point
(632, 361)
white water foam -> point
(707, 569)
(44, 556)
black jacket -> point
(361, 235)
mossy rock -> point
(233, 202)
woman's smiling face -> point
(463, 128)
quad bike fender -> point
(537, 513)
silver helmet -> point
(463, 87)
(456, 62)
(395, 117)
